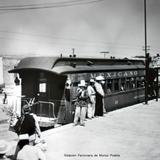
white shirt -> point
(99, 88)
(29, 152)
(91, 93)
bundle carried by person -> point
(14, 121)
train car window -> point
(140, 82)
(116, 85)
(133, 83)
(128, 83)
(42, 83)
(122, 85)
(137, 82)
(109, 86)
(42, 87)
(103, 83)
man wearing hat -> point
(92, 100)
(99, 96)
(81, 104)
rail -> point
(50, 104)
(31, 102)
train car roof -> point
(61, 65)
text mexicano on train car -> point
(118, 74)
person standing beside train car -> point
(81, 103)
(68, 117)
(92, 99)
(99, 96)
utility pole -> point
(146, 54)
(73, 50)
(157, 90)
(105, 52)
(73, 53)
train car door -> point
(42, 87)
(42, 96)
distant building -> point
(6, 64)
(7, 82)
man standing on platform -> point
(92, 99)
(81, 103)
(99, 96)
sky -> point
(91, 27)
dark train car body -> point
(44, 79)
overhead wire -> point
(43, 4)
(63, 44)
(73, 40)
(47, 5)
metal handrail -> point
(31, 101)
(44, 102)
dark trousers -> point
(99, 105)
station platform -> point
(131, 133)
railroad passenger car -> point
(44, 79)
